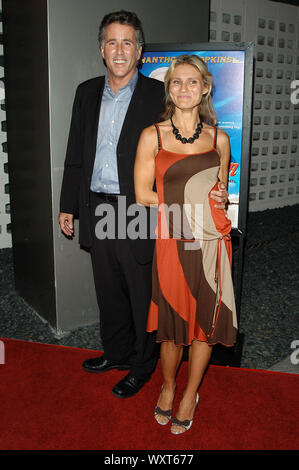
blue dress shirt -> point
(113, 111)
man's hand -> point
(220, 196)
(66, 222)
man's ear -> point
(138, 53)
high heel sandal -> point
(165, 413)
(186, 424)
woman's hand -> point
(220, 196)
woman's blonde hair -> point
(206, 108)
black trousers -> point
(123, 287)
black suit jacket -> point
(145, 108)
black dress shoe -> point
(100, 364)
(129, 386)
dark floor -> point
(269, 304)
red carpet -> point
(49, 403)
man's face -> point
(186, 86)
(119, 49)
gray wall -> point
(29, 160)
(72, 55)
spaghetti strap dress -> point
(192, 288)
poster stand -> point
(222, 57)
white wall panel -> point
(274, 30)
(5, 231)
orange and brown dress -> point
(192, 296)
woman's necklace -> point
(184, 140)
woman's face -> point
(186, 87)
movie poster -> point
(227, 68)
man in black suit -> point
(108, 116)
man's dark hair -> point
(122, 17)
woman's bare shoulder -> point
(149, 132)
(164, 127)
(222, 136)
(148, 140)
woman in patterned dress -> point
(192, 298)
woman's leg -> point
(199, 356)
(170, 358)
